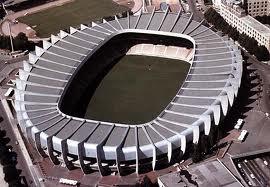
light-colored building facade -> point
(235, 16)
(254, 7)
(258, 7)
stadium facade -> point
(52, 89)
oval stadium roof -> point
(206, 95)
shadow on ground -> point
(8, 160)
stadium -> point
(53, 90)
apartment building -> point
(258, 7)
(236, 16)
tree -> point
(4, 42)
(262, 53)
(197, 154)
(205, 144)
(208, 2)
(263, 19)
(244, 6)
(11, 173)
(251, 45)
(2, 13)
(212, 136)
(242, 39)
(2, 134)
(234, 34)
(209, 14)
(217, 20)
(227, 28)
(20, 41)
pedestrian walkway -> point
(2, 181)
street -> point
(21, 165)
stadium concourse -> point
(51, 91)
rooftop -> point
(263, 29)
(210, 174)
(233, 6)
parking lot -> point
(255, 170)
(252, 108)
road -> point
(264, 71)
(254, 114)
(256, 102)
(134, 5)
(5, 70)
(5, 125)
(2, 181)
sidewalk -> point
(135, 5)
(33, 171)
(2, 181)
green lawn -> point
(52, 20)
(137, 89)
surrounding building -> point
(236, 16)
(258, 7)
(253, 7)
(210, 173)
(216, 4)
(253, 167)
